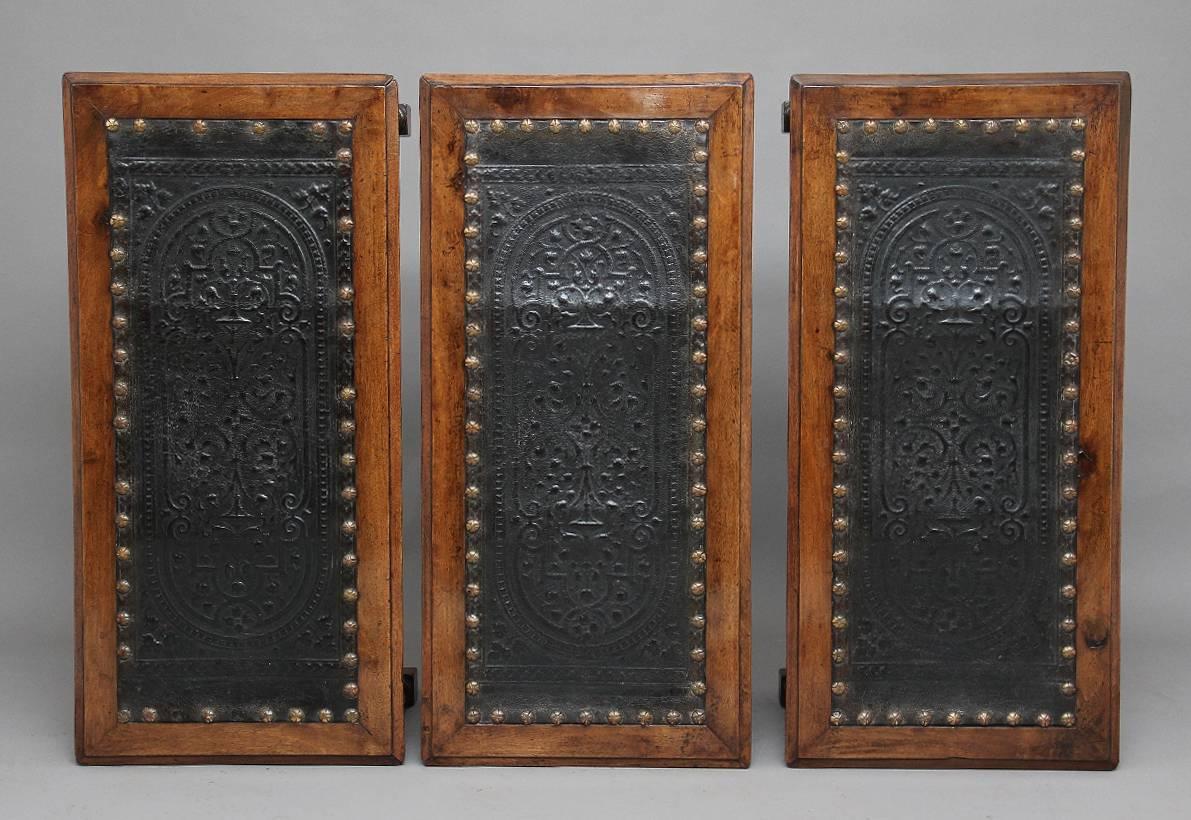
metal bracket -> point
(409, 686)
(402, 120)
(786, 117)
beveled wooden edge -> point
(88, 99)
(1104, 100)
(727, 100)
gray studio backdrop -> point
(41, 40)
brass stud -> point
(840, 424)
(347, 393)
(1078, 155)
(1076, 189)
(123, 651)
(698, 716)
(1013, 718)
(472, 620)
(962, 126)
(497, 127)
(901, 127)
(700, 222)
(864, 717)
(698, 425)
(207, 714)
(199, 127)
(839, 589)
(841, 157)
(870, 127)
(698, 621)
(699, 291)
(584, 126)
(347, 327)
(1069, 525)
(472, 329)
(698, 457)
(697, 522)
(702, 126)
(472, 653)
(258, 128)
(345, 127)
(123, 487)
(296, 715)
(837, 718)
(346, 223)
(1071, 326)
(615, 717)
(699, 189)
(118, 254)
(527, 717)
(1070, 392)
(698, 588)
(839, 688)
(1073, 291)
(350, 595)
(121, 422)
(924, 717)
(471, 426)
(471, 231)
(1067, 719)
(149, 714)
(120, 355)
(471, 362)
(841, 292)
(840, 325)
(1078, 124)
(351, 660)
(473, 525)
(112, 124)
(841, 189)
(1068, 591)
(497, 716)
(1068, 652)
(139, 125)
(1075, 222)
(265, 715)
(1070, 426)
(699, 323)
(699, 557)
(954, 718)
(673, 717)
(351, 715)
(839, 622)
(472, 491)
(1072, 257)
(991, 127)
(122, 520)
(123, 618)
(839, 457)
(985, 718)
(123, 554)
(1067, 688)
(347, 427)
(526, 126)
(325, 715)
(840, 357)
(895, 718)
(1051, 126)
(471, 297)
(319, 129)
(471, 197)
(347, 461)
(843, 126)
(930, 126)
(1021, 127)
(1070, 459)
(348, 527)
(123, 586)
(698, 390)
(472, 264)
(1043, 719)
(350, 627)
(473, 716)
(674, 126)
(351, 689)
(699, 256)
(699, 688)
(645, 717)
(349, 560)
(348, 493)
(1068, 559)
(698, 654)
(1067, 624)
(839, 524)
(838, 655)
(841, 256)
(555, 126)
(841, 221)
(1071, 359)
(839, 490)
(472, 557)
(473, 687)
(472, 458)
(700, 155)
(117, 220)
(614, 126)
(557, 717)
(471, 158)
(118, 288)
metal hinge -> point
(402, 120)
(786, 117)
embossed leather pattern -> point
(584, 254)
(958, 271)
(231, 244)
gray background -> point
(41, 40)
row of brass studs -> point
(1069, 426)
(473, 393)
(118, 222)
(583, 126)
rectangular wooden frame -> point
(815, 103)
(446, 101)
(371, 101)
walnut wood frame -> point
(815, 103)
(371, 100)
(446, 101)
